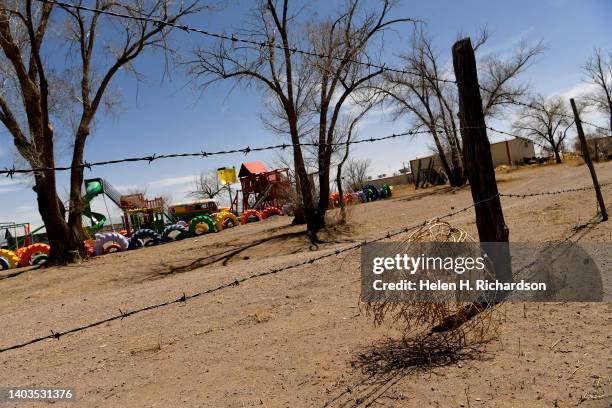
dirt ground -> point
(299, 338)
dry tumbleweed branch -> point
(433, 314)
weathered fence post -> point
(477, 159)
(587, 159)
(478, 165)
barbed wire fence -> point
(10, 172)
(183, 298)
(122, 314)
(294, 50)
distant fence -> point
(393, 180)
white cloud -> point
(9, 185)
(577, 91)
(125, 188)
(506, 46)
(9, 189)
(172, 181)
(10, 181)
(24, 208)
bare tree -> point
(598, 71)
(426, 93)
(207, 185)
(346, 38)
(357, 173)
(498, 76)
(546, 121)
(363, 107)
(36, 92)
(305, 92)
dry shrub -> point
(437, 315)
(338, 228)
(335, 216)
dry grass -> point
(412, 317)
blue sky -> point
(165, 116)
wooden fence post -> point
(477, 159)
(478, 165)
(587, 159)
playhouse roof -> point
(251, 168)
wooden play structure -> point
(138, 211)
(261, 188)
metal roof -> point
(255, 167)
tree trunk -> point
(341, 189)
(305, 187)
(457, 166)
(61, 239)
(610, 117)
(443, 160)
(557, 155)
(299, 217)
(323, 204)
(53, 218)
(75, 214)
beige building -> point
(392, 180)
(511, 152)
(508, 152)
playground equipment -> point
(110, 242)
(385, 191)
(143, 219)
(144, 237)
(18, 235)
(187, 211)
(8, 259)
(261, 187)
(20, 250)
(270, 211)
(138, 211)
(174, 232)
(202, 224)
(34, 254)
(252, 214)
(371, 192)
(94, 188)
(226, 219)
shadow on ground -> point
(387, 362)
(265, 247)
(430, 192)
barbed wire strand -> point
(10, 172)
(534, 107)
(557, 192)
(184, 297)
(235, 39)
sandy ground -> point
(299, 338)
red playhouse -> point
(261, 187)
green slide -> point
(93, 188)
